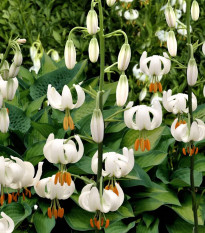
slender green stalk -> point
(117, 33)
(193, 193)
(5, 54)
(102, 67)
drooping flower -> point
(192, 72)
(65, 102)
(70, 54)
(122, 90)
(155, 69)
(124, 57)
(92, 22)
(6, 224)
(93, 50)
(143, 121)
(18, 58)
(8, 88)
(55, 55)
(170, 16)
(177, 104)
(110, 2)
(97, 126)
(13, 70)
(46, 188)
(195, 10)
(182, 133)
(117, 165)
(90, 200)
(162, 36)
(131, 14)
(4, 120)
(172, 44)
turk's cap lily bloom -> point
(18, 58)
(162, 35)
(70, 54)
(195, 10)
(90, 200)
(46, 188)
(170, 16)
(172, 44)
(177, 103)
(97, 126)
(8, 88)
(142, 117)
(92, 22)
(131, 14)
(63, 151)
(110, 2)
(93, 50)
(192, 72)
(4, 120)
(122, 90)
(140, 75)
(65, 101)
(117, 165)
(181, 132)
(13, 70)
(6, 224)
(36, 65)
(124, 57)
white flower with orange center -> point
(110, 200)
(155, 69)
(65, 103)
(146, 118)
(46, 188)
(6, 224)
(117, 165)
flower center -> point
(113, 188)
(54, 210)
(180, 123)
(192, 150)
(143, 144)
(98, 222)
(63, 177)
(68, 121)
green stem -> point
(102, 67)
(5, 54)
(107, 69)
(74, 29)
(193, 193)
(116, 33)
(84, 179)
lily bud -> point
(55, 56)
(122, 90)
(70, 54)
(18, 58)
(172, 44)
(21, 41)
(11, 88)
(5, 70)
(195, 10)
(170, 16)
(143, 94)
(97, 126)
(192, 72)
(204, 91)
(13, 71)
(92, 22)
(93, 50)
(124, 57)
(4, 120)
(203, 48)
(110, 2)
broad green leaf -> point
(43, 223)
(34, 106)
(119, 227)
(200, 112)
(47, 65)
(26, 75)
(126, 210)
(34, 154)
(44, 129)
(84, 165)
(8, 151)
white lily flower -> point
(36, 65)
(155, 97)
(124, 57)
(93, 50)
(143, 121)
(162, 35)
(195, 10)
(4, 120)
(13, 70)
(170, 16)
(180, 131)
(143, 93)
(63, 151)
(92, 22)
(112, 198)
(131, 14)
(18, 58)
(110, 2)
(204, 91)
(203, 48)
(61, 102)
(126, 1)
(97, 126)
(122, 90)
(1, 99)
(8, 88)
(6, 224)
(178, 13)
(139, 74)
(70, 54)
(177, 104)
(172, 44)
(117, 165)
(192, 72)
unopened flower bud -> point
(5, 70)
(4, 120)
(70, 54)
(170, 16)
(13, 70)
(18, 58)
(195, 10)
(97, 126)
(172, 44)
(110, 2)
(143, 94)
(122, 90)
(11, 87)
(93, 50)
(124, 57)
(192, 72)
(203, 48)
(55, 56)
(92, 22)
(21, 41)
(204, 91)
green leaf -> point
(43, 223)
(57, 78)
(44, 129)
(126, 210)
(47, 65)
(34, 106)
(18, 212)
(26, 75)
(119, 227)
(34, 154)
(8, 151)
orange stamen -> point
(29, 193)
(65, 123)
(102, 222)
(142, 144)
(184, 151)
(95, 221)
(107, 223)
(151, 87)
(159, 86)
(23, 196)
(155, 87)
(177, 125)
(188, 150)
(49, 213)
(70, 123)
(197, 150)
(2, 199)
(115, 190)
(98, 225)
(147, 144)
(9, 198)
(62, 179)
(137, 143)
(68, 178)
(91, 223)
(56, 213)
(62, 212)
(56, 177)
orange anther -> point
(7, 110)
(147, 144)
(95, 221)
(49, 213)
(62, 179)
(191, 152)
(65, 123)
(102, 222)
(151, 87)
(159, 86)
(98, 225)
(70, 123)
(59, 212)
(23, 196)
(177, 124)
(137, 143)
(107, 187)
(184, 151)
(56, 177)
(115, 190)
(62, 212)
(188, 150)
(142, 144)
(15, 197)
(107, 223)
(2, 200)
(68, 178)
(91, 223)
(9, 198)
(55, 213)
(196, 151)
(29, 193)
(155, 87)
